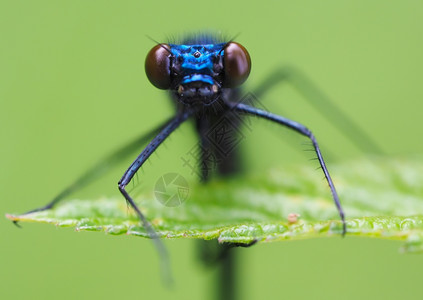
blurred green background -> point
(73, 88)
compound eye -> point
(157, 66)
(237, 64)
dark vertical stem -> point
(223, 258)
(228, 284)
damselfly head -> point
(197, 73)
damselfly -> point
(203, 75)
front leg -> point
(129, 174)
(306, 132)
(139, 161)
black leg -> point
(321, 102)
(151, 147)
(101, 168)
(304, 131)
(133, 168)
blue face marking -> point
(197, 61)
(198, 77)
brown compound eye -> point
(236, 64)
(157, 66)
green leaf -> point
(382, 197)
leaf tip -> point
(13, 218)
